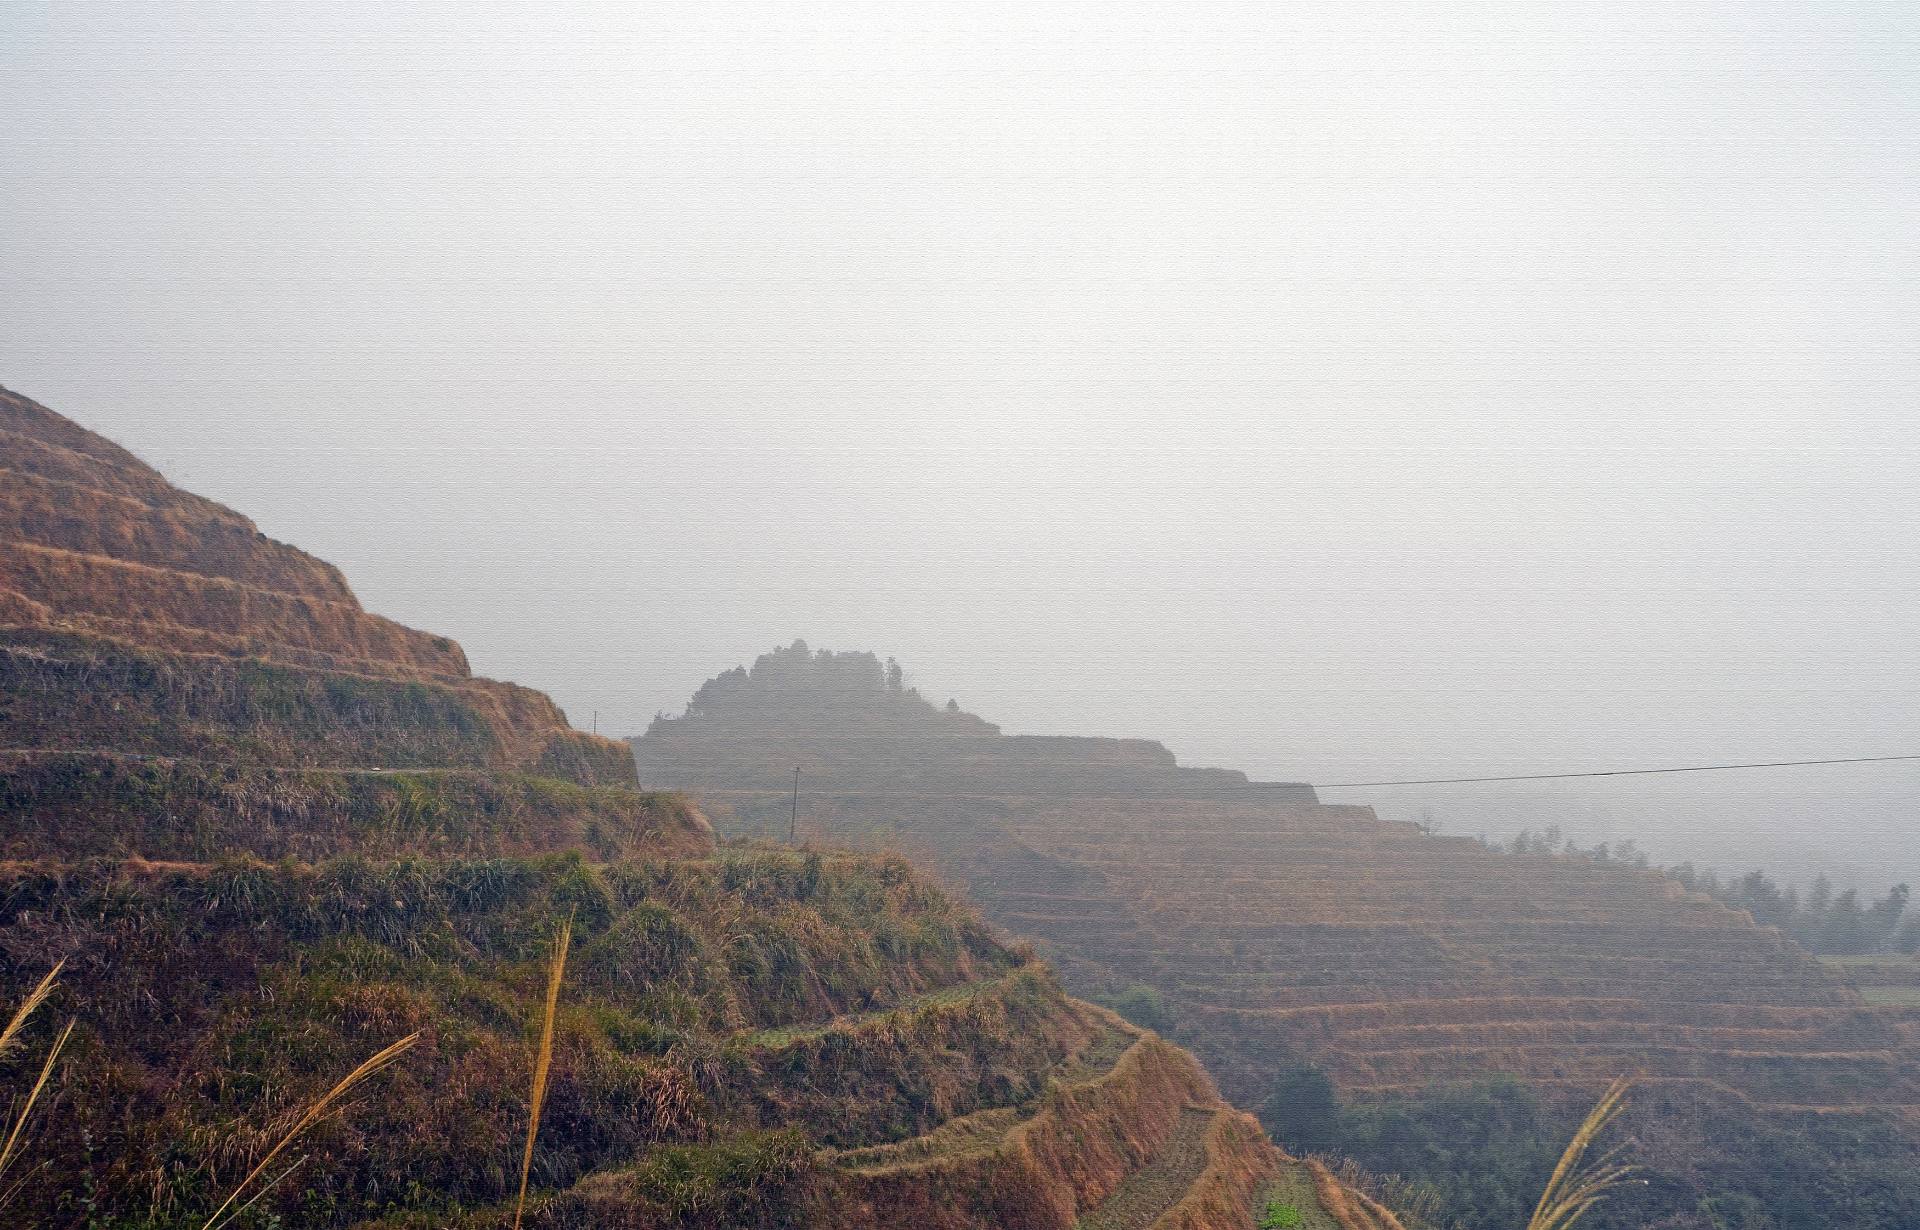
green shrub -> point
(1279, 1215)
(648, 948)
(1141, 1004)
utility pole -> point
(793, 818)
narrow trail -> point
(985, 1131)
(107, 753)
(1146, 1194)
(787, 1035)
(1293, 1187)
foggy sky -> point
(1331, 393)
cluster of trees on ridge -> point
(796, 689)
(1822, 921)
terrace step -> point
(1147, 1194)
(983, 1132)
(779, 1037)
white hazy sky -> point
(1332, 392)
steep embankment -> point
(1280, 932)
(269, 833)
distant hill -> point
(1279, 936)
(844, 720)
(795, 691)
(269, 833)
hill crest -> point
(847, 723)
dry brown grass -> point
(53, 510)
(71, 582)
(1352, 1208)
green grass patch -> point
(1895, 997)
(1289, 1202)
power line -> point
(1541, 777)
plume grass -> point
(10, 1036)
(543, 1062)
(314, 1113)
(9, 1039)
(9, 1153)
(1579, 1183)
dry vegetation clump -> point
(1580, 1181)
(542, 1064)
(23, 1108)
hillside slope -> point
(734, 1032)
(174, 684)
(1281, 932)
(268, 833)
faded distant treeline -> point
(796, 690)
(1821, 921)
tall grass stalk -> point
(543, 1061)
(10, 1151)
(313, 1115)
(9, 1039)
(10, 1036)
(263, 1189)
(1577, 1183)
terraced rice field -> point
(1394, 958)
(1891, 980)
(1128, 1133)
